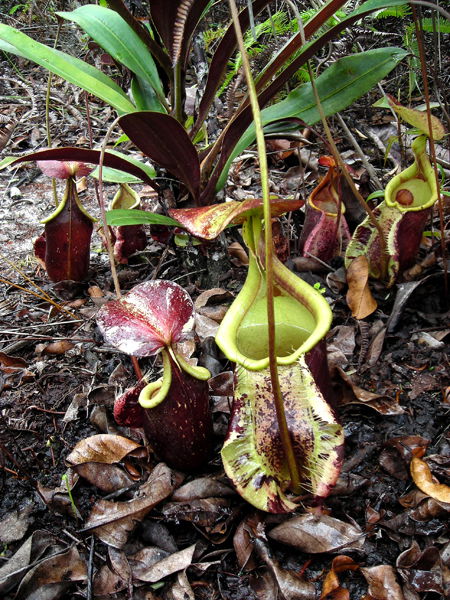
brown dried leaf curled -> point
(421, 474)
(359, 297)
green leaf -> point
(342, 83)
(117, 38)
(68, 67)
(137, 217)
(116, 176)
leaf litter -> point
(137, 527)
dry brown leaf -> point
(59, 347)
(314, 533)
(203, 487)
(423, 478)
(243, 541)
(332, 589)
(178, 561)
(14, 525)
(113, 521)
(205, 327)
(382, 582)
(239, 256)
(359, 297)
(143, 559)
(108, 478)
(51, 577)
(354, 394)
(219, 294)
(204, 512)
(29, 553)
(291, 586)
(12, 361)
(104, 448)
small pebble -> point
(14, 192)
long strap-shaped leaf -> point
(142, 32)
(116, 37)
(219, 62)
(341, 84)
(112, 159)
(164, 140)
(68, 67)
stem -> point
(278, 398)
(107, 233)
(47, 112)
(178, 113)
(426, 93)
(338, 160)
(103, 210)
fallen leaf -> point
(332, 589)
(58, 498)
(14, 524)
(354, 394)
(243, 541)
(204, 512)
(108, 478)
(238, 255)
(291, 586)
(12, 361)
(382, 582)
(104, 448)
(204, 487)
(112, 522)
(423, 478)
(181, 589)
(59, 347)
(52, 577)
(313, 534)
(359, 297)
(178, 561)
(27, 555)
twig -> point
(351, 138)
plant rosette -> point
(403, 214)
(65, 245)
(173, 410)
(253, 454)
(325, 231)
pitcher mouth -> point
(302, 318)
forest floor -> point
(73, 530)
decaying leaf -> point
(332, 589)
(359, 297)
(14, 524)
(104, 448)
(53, 576)
(313, 533)
(29, 553)
(166, 565)
(353, 394)
(291, 585)
(382, 582)
(203, 487)
(423, 478)
(204, 512)
(418, 119)
(243, 541)
(108, 478)
(113, 521)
